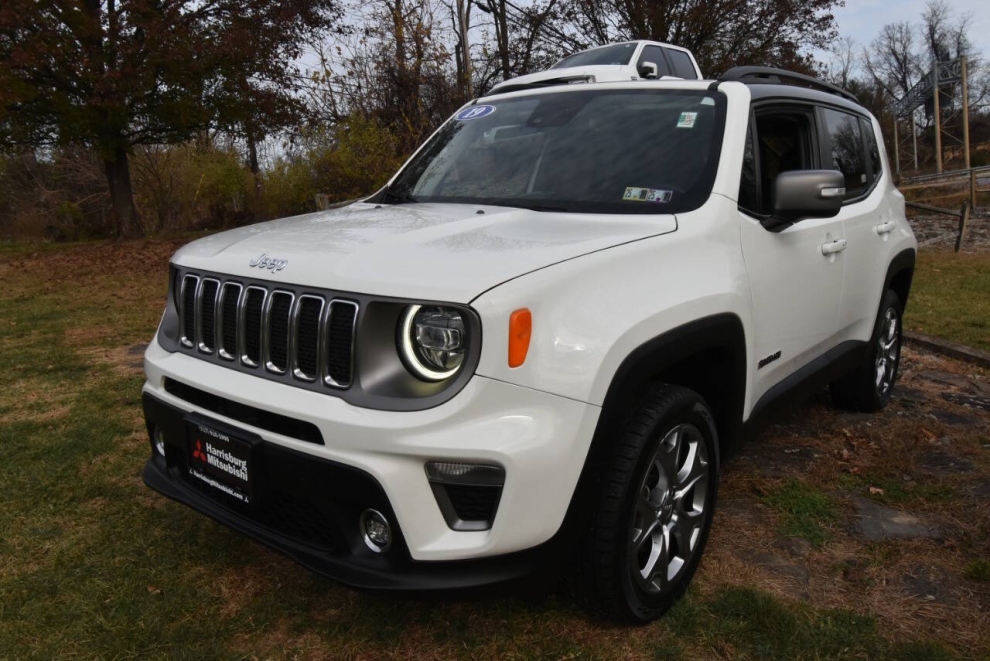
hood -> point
(442, 252)
(602, 73)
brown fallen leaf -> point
(876, 491)
(845, 454)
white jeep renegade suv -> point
(535, 345)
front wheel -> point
(656, 508)
(870, 386)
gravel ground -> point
(939, 231)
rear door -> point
(796, 287)
(868, 221)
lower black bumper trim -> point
(347, 561)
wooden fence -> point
(966, 185)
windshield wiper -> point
(394, 197)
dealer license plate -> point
(220, 460)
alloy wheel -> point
(669, 509)
(888, 352)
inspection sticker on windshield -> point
(687, 120)
(647, 195)
(474, 112)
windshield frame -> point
(398, 190)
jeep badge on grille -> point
(270, 263)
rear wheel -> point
(870, 386)
(656, 508)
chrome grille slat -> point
(187, 310)
(228, 323)
(249, 326)
(341, 322)
(206, 314)
(305, 338)
(276, 331)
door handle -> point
(835, 246)
(886, 227)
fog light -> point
(377, 533)
(159, 437)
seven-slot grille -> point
(305, 337)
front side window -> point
(655, 55)
(615, 54)
(588, 151)
(785, 141)
(848, 154)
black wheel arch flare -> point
(718, 343)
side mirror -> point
(802, 194)
(647, 70)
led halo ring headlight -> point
(432, 341)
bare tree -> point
(843, 62)
(892, 61)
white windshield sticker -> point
(687, 120)
(634, 194)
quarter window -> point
(873, 150)
(848, 152)
(749, 192)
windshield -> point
(589, 151)
(617, 54)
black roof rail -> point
(769, 75)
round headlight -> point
(432, 340)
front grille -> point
(299, 338)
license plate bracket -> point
(223, 458)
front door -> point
(795, 274)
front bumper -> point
(376, 459)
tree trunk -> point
(253, 162)
(124, 212)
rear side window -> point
(848, 151)
(681, 64)
(873, 152)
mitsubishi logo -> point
(198, 452)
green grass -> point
(895, 491)
(806, 512)
(748, 623)
(950, 297)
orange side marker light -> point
(520, 331)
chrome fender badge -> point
(270, 263)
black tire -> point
(667, 416)
(868, 388)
